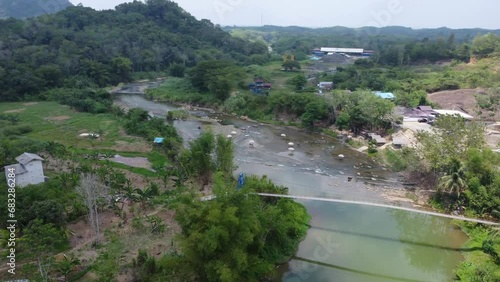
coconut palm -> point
(454, 180)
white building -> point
(454, 113)
(325, 85)
(358, 51)
(28, 171)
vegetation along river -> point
(346, 242)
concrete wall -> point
(33, 176)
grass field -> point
(477, 262)
(51, 121)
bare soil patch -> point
(138, 146)
(134, 162)
(82, 231)
(463, 100)
(58, 118)
(14, 111)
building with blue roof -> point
(159, 140)
(385, 95)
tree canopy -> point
(98, 48)
(22, 9)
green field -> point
(51, 121)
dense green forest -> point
(22, 9)
(80, 47)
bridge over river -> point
(208, 198)
(362, 228)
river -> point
(346, 242)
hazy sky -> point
(351, 13)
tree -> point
(220, 86)
(484, 45)
(92, 191)
(343, 121)
(224, 155)
(177, 70)
(316, 110)
(238, 236)
(290, 65)
(49, 211)
(67, 265)
(200, 154)
(218, 77)
(121, 68)
(454, 180)
(43, 240)
(299, 81)
(450, 139)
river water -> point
(346, 242)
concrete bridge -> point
(486, 222)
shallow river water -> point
(346, 242)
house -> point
(349, 51)
(158, 140)
(385, 95)
(379, 140)
(454, 113)
(420, 112)
(400, 142)
(28, 170)
(325, 85)
(260, 87)
(425, 108)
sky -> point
(326, 13)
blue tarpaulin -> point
(241, 181)
(159, 140)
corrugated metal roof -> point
(425, 108)
(27, 158)
(385, 95)
(400, 141)
(159, 140)
(341, 50)
(453, 112)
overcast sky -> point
(350, 13)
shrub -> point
(396, 160)
(17, 130)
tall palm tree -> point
(454, 180)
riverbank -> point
(312, 170)
(481, 254)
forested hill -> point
(394, 45)
(463, 34)
(81, 46)
(22, 9)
